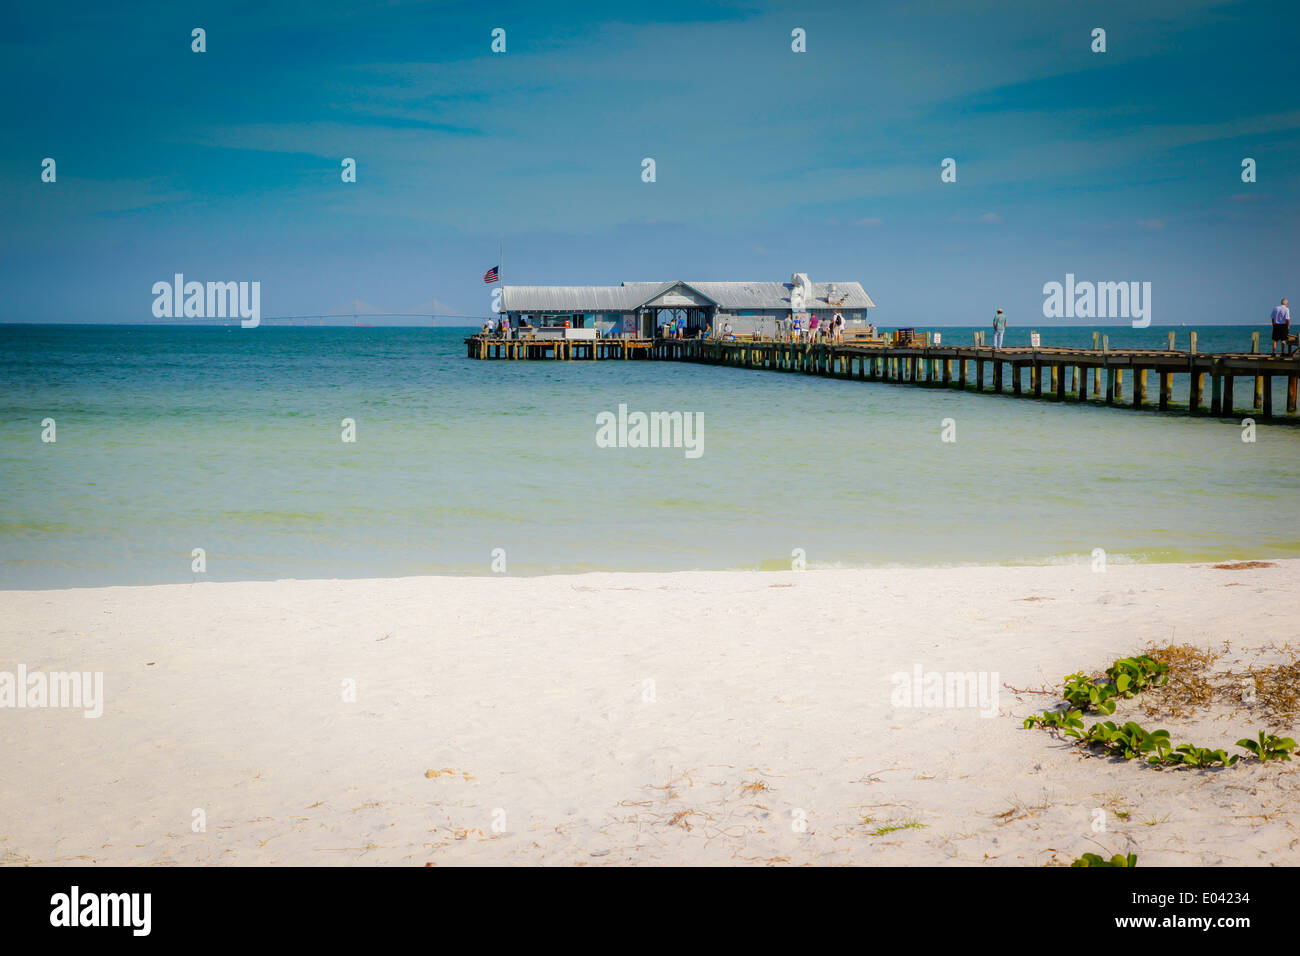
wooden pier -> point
(1055, 374)
(564, 350)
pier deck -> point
(1060, 374)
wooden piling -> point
(1259, 379)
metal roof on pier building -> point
(728, 296)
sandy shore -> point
(694, 718)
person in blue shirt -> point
(1281, 319)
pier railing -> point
(1050, 373)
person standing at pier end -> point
(1281, 319)
(999, 328)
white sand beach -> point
(598, 719)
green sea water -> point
(176, 438)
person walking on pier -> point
(999, 328)
(1281, 319)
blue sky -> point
(1123, 165)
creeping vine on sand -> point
(1126, 678)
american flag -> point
(491, 275)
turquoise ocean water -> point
(171, 439)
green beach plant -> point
(1126, 678)
(1270, 747)
(1093, 859)
(1132, 675)
(895, 827)
(1189, 755)
(1128, 741)
(1083, 692)
(1068, 722)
